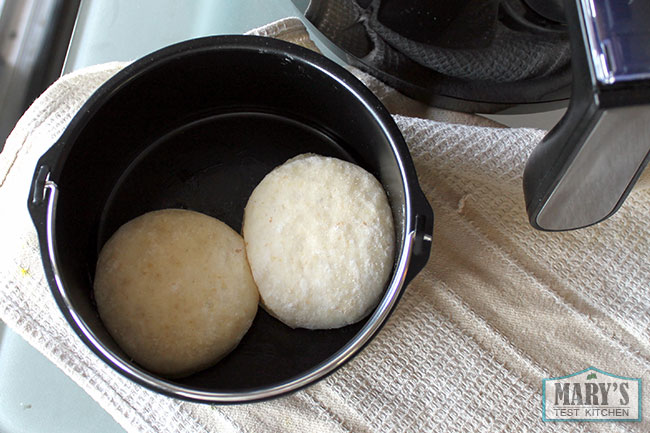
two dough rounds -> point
(320, 242)
(178, 290)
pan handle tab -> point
(42, 193)
(422, 235)
(39, 185)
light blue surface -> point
(124, 30)
(35, 396)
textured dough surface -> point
(174, 289)
(320, 241)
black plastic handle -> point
(584, 168)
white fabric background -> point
(498, 308)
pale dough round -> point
(320, 241)
(174, 289)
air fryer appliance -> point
(488, 55)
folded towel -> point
(498, 308)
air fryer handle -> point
(584, 168)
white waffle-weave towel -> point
(498, 308)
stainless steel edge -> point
(599, 63)
(75, 29)
(616, 39)
(367, 332)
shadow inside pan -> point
(271, 352)
(212, 165)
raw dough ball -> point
(175, 291)
(320, 241)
